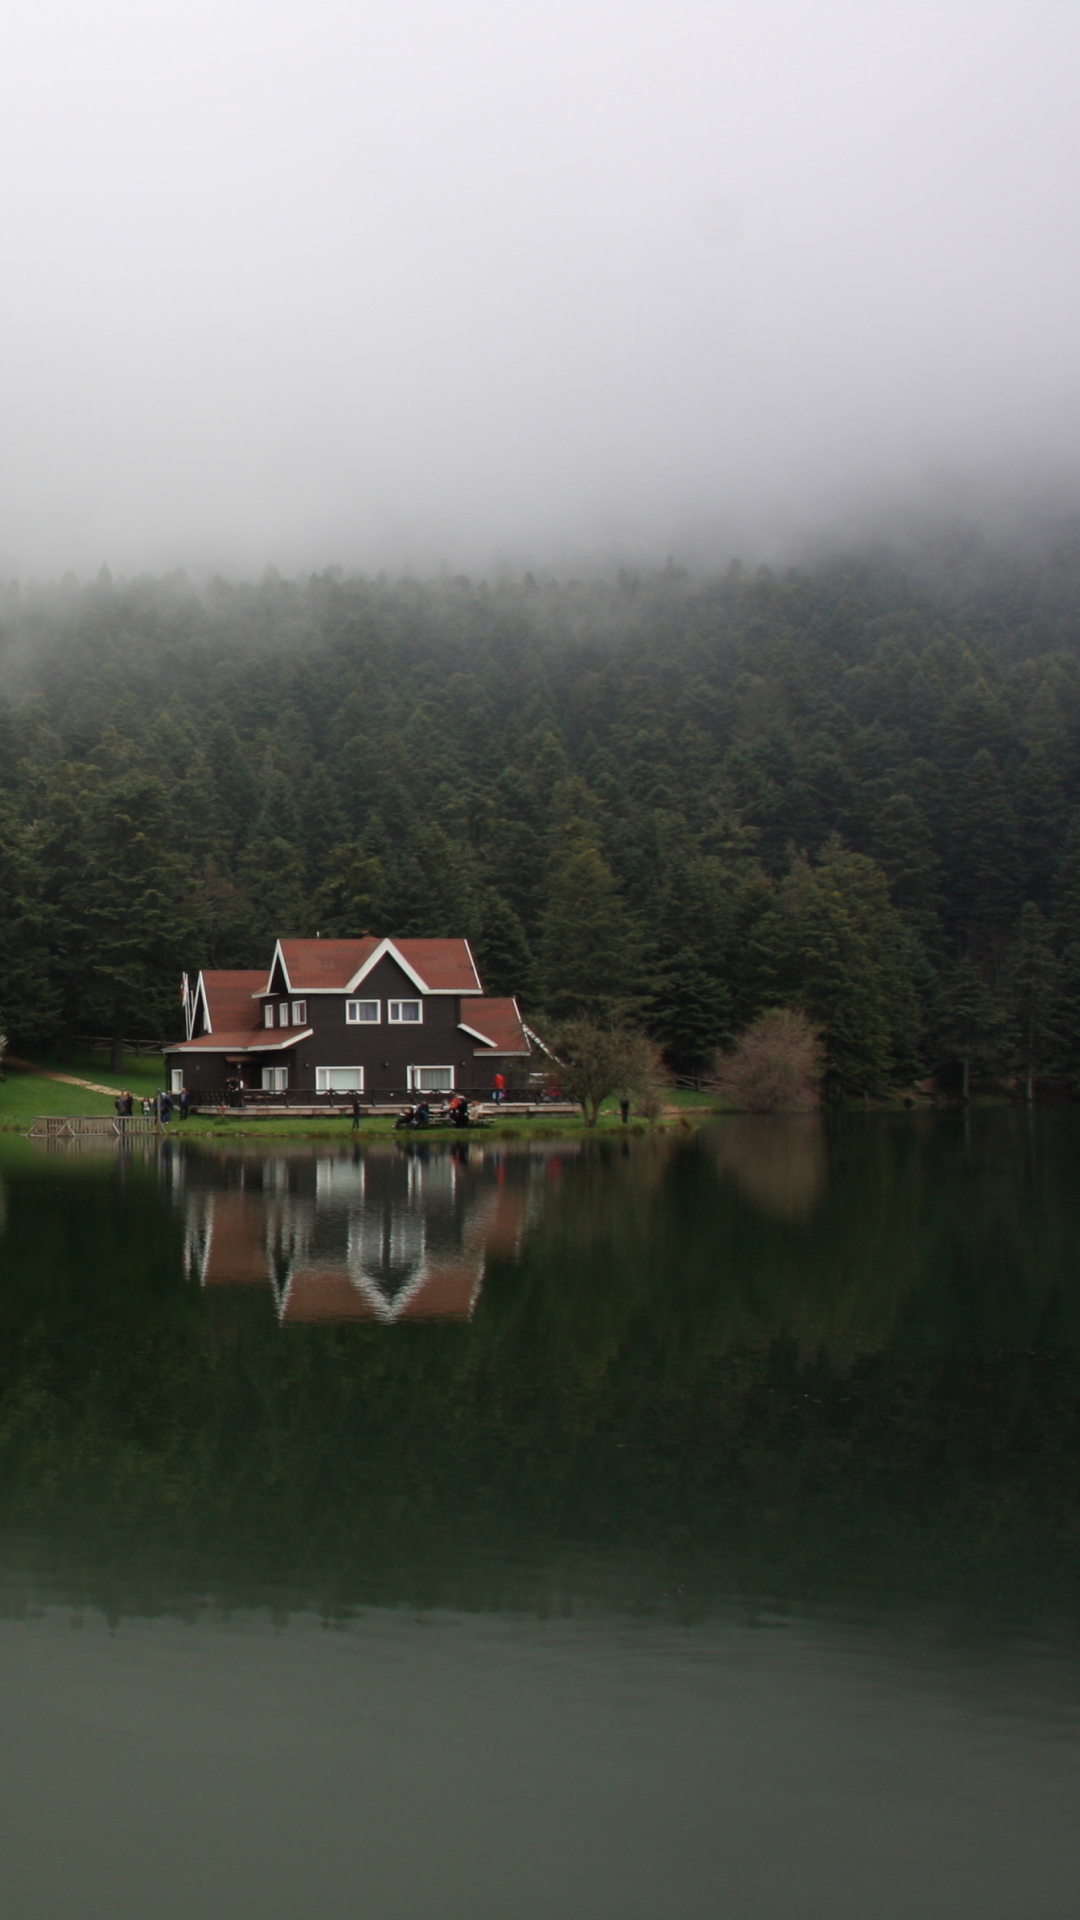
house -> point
(385, 1019)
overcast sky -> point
(302, 282)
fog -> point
(503, 282)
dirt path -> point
(65, 1079)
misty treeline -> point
(671, 800)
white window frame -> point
(283, 1014)
(176, 1080)
(275, 1079)
(393, 1013)
(324, 1082)
(268, 1014)
(354, 1017)
(416, 1084)
(299, 1013)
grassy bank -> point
(25, 1096)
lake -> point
(626, 1529)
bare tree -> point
(776, 1065)
(590, 1063)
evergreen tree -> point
(506, 963)
(984, 868)
(1036, 983)
(833, 941)
(352, 898)
(590, 944)
(971, 1025)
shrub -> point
(776, 1065)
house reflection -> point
(366, 1236)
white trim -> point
(537, 1042)
(414, 1084)
(353, 1000)
(275, 1080)
(484, 1039)
(384, 947)
(278, 955)
(200, 993)
(268, 1014)
(322, 1073)
(299, 1013)
(399, 1022)
(255, 1045)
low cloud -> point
(415, 285)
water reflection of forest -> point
(830, 1356)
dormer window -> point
(268, 1015)
(283, 1014)
(404, 1012)
(299, 1012)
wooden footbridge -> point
(101, 1126)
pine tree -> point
(1036, 981)
(971, 1024)
(503, 955)
(983, 881)
(833, 943)
(590, 944)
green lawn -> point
(143, 1072)
(25, 1096)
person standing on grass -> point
(185, 1103)
(355, 1111)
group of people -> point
(456, 1111)
(157, 1106)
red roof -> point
(229, 999)
(443, 966)
(311, 964)
(243, 1040)
(498, 1022)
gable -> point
(389, 980)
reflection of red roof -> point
(495, 1226)
(329, 1294)
(325, 1294)
(498, 1022)
(444, 966)
(228, 999)
(236, 1253)
(447, 1293)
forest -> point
(663, 799)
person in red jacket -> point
(499, 1086)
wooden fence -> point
(71, 1126)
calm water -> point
(660, 1528)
